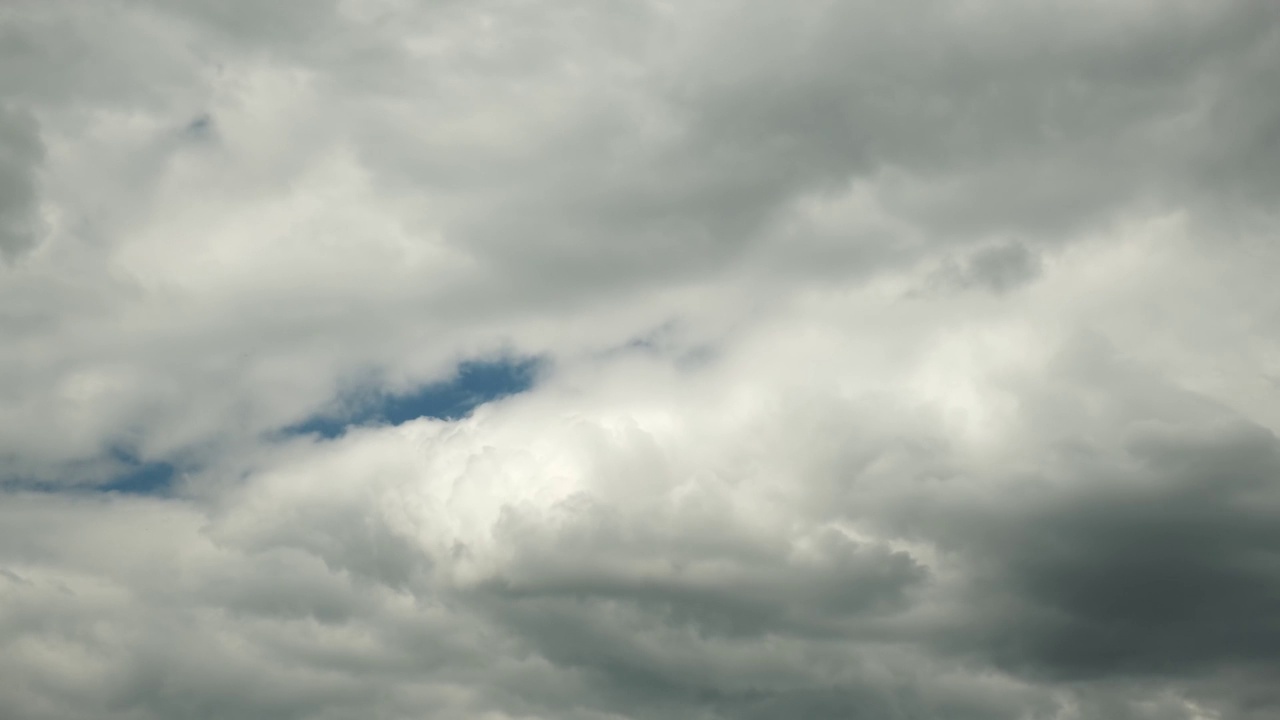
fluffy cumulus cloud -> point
(634, 360)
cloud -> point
(19, 212)
(909, 361)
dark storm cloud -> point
(1138, 543)
(1171, 584)
(1157, 560)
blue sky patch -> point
(475, 383)
(120, 472)
(140, 478)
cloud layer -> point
(910, 360)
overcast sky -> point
(639, 359)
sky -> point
(634, 360)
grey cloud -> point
(995, 120)
(80, 55)
(1003, 267)
(589, 159)
(1166, 571)
(120, 631)
(1138, 546)
(667, 569)
(1130, 579)
(20, 154)
(997, 268)
(969, 126)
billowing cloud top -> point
(601, 360)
